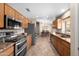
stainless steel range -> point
(20, 44)
(18, 37)
(20, 47)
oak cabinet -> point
(16, 15)
(66, 48)
(54, 24)
(8, 52)
(29, 41)
(25, 23)
(1, 15)
(5, 9)
(61, 46)
(57, 23)
(9, 11)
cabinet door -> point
(9, 11)
(1, 15)
(66, 51)
(25, 23)
(60, 47)
(8, 52)
(17, 15)
(55, 24)
(66, 48)
(21, 17)
(59, 23)
(52, 39)
(12, 14)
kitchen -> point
(19, 33)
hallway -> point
(42, 47)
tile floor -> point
(42, 47)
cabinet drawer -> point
(8, 52)
(66, 43)
(9, 11)
(1, 15)
(66, 51)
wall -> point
(74, 29)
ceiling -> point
(40, 9)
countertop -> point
(4, 46)
(66, 39)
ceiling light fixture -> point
(37, 16)
(63, 10)
(47, 16)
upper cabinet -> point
(57, 23)
(17, 15)
(25, 23)
(1, 15)
(5, 9)
(63, 22)
(9, 11)
(54, 24)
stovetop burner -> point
(14, 38)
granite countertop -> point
(5, 45)
(66, 39)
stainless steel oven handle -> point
(20, 42)
(22, 49)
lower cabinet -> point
(29, 41)
(61, 46)
(8, 52)
(66, 48)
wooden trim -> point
(66, 17)
(62, 14)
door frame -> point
(74, 7)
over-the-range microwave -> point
(10, 23)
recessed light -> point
(36, 16)
(63, 10)
(47, 16)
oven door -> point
(19, 45)
(22, 52)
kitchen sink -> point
(65, 36)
